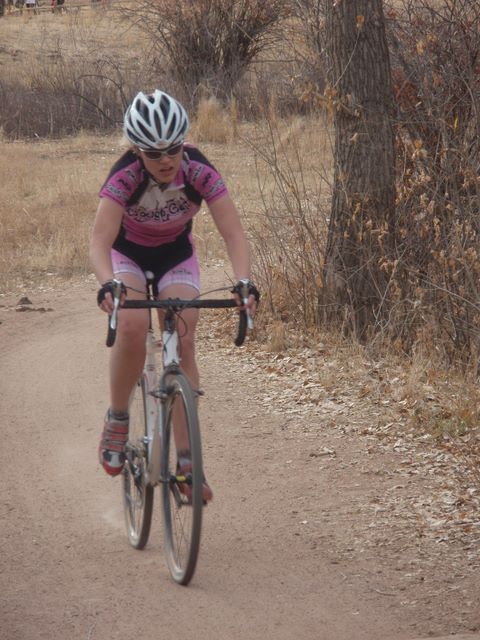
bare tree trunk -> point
(358, 260)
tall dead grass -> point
(293, 173)
(48, 198)
(77, 71)
(47, 204)
(214, 123)
(63, 74)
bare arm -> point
(227, 221)
(105, 230)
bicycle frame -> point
(155, 392)
(153, 413)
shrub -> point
(436, 68)
(207, 45)
(290, 235)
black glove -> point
(246, 286)
(109, 287)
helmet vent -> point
(155, 120)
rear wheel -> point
(137, 495)
(182, 494)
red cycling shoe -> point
(111, 451)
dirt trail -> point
(279, 556)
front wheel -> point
(137, 494)
(182, 490)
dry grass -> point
(47, 206)
(48, 198)
(63, 73)
(49, 190)
(213, 123)
(29, 39)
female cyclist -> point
(144, 222)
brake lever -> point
(117, 294)
(245, 295)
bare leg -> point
(128, 353)
(126, 363)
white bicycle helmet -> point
(155, 121)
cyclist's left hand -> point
(246, 290)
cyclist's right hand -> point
(107, 293)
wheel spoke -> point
(137, 496)
(182, 503)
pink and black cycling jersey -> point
(157, 221)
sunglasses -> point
(156, 154)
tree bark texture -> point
(358, 260)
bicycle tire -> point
(182, 516)
(137, 494)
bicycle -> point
(157, 401)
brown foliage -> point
(207, 45)
(436, 58)
(433, 271)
